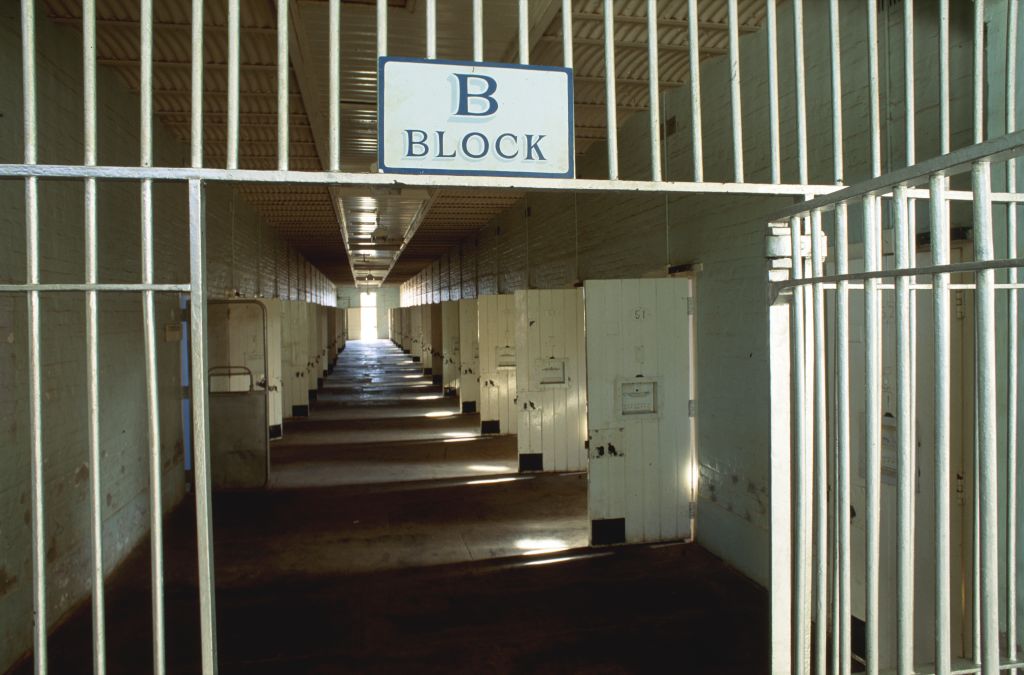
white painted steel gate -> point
(895, 432)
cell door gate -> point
(898, 524)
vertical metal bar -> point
(655, 101)
(1012, 362)
(282, 85)
(820, 479)
(771, 26)
(92, 340)
(200, 423)
(197, 84)
(872, 43)
(801, 89)
(939, 216)
(35, 399)
(524, 31)
(431, 29)
(979, 71)
(801, 528)
(944, 76)
(987, 442)
(910, 109)
(698, 134)
(233, 83)
(905, 456)
(382, 28)
(837, 92)
(149, 330)
(478, 30)
(609, 78)
(844, 608)
(873, 431)
(567, 33)
(334, 83)
(735, 95)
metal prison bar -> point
(819, 408)
(197, 174)
(739, 183)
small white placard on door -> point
(551, 371)
(638, 398)
(505, 357)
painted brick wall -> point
(244, 255)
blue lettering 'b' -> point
(412, 143)
(490, 86)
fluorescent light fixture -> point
(440, 414)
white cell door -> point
(450, 355)
(469, 356)
(551, 380)
(641, 444)
(496, 319)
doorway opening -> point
(368, 315)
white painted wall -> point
(450, 353)
(638, 339)
(469, 354)
(496, 325)
(551, 380)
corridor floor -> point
(395, 539)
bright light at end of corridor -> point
(541, 546)
(440, 413)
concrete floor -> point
(394, 539)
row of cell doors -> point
(596, 379)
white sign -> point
(462, 118)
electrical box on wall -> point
(638, 397)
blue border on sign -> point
(383, 60)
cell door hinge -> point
(693, 509)
(186, 393)
(691, 408)
(689, 306)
